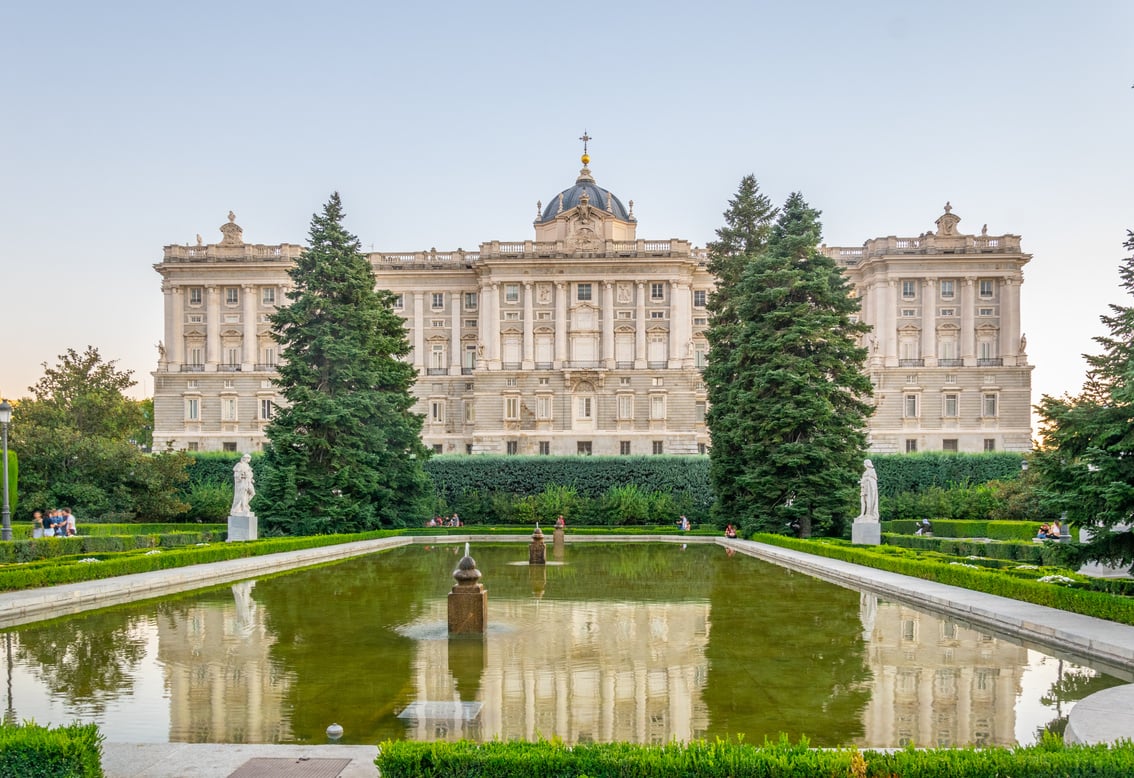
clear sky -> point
(127, 126)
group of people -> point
(441, 521)
(1050, 531)
(683, 524)
(59, 523)
(924, 527)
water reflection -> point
(640, 643)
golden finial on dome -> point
(586, 158)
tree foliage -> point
(79, 438)
(345, 451)
(1086, 461)
(789, 398)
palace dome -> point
(600, 199)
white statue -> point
(868, 493)
(243, 489)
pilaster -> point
(608, 325)
(248, 318)
(528, 362)
(560, 324)
(929, 322)
(419, 332)
(212, 328)
(640, 327)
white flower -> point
(89, 559)
(1056, 579)
(963, 564)
(1025, 567)
(151, 553)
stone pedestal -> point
(243, 526)
(866, 533)
(557, 537)
(468, 600)
(537, 551)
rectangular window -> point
(196, 356)
(700, 355)
(268, 295)
(657, 291)
(228, 445)
(192, 409)
(544, 448)
(470, 412)
(989, 405)
(436, 322)
(990, 444)
(583, 292)
(469, 360)
(624, 448)
(699, 411)
(700, 297)
(196, 295)
(950, 378)
(948, 312)
(468, 448)
(986, 287)
(437, 410)
(471, 323)
(625, 314)
(512, 408)
(985, 312)
(624, 381)
(626, 406)
(948, 290)
(951, 402)
(658, 446)
(194, 384)
(543, 406)
(229, 383)
(232, 356)
(911, 446)
(191, 446)
(657, 314)
(986, 349)
(583, 448)
(269, 356)
(585, 407)
(399, 302)
(438, 448)
(266, 407)
(949, 444)
(513, 447)
(511, 293)
(512, 315)
(231, 295)
(657, 406)
(228, 409)
(909, 290)
(907, 312)
(470, 301)
(438, 299)
(909, 409)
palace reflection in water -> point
(637, 643)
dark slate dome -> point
(597, 195)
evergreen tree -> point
(798, 400)
(345, 451)
(1086, 462)
(748, 222)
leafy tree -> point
(1086, 462)
(794, 413)
(345, 452)
(78, 435)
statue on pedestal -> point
(243, 488)
(868, 493)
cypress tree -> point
(345, 452)
(798, 399)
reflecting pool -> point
(636, 642)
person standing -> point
(69, 529)
(37, 524)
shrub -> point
(209, 502)
(29, 750)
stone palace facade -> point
(590, 340)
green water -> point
(639, 642)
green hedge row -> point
(953, 528)
(74, 569)
(907, 562)
(53, 548)
(31, 751)
(24, 531)
(1049, 553)
(898, 473)
(543, 759)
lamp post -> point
(5, 515)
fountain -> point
(468, 600)
(537, 551)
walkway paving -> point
(1082, 638)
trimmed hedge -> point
(722, 759)
(53, 547)
(899, 560)
(1048, 553)
(31, 751)
(898, 473)
(953, 528)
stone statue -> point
(1023, 344)
(161, 350)
(243, 489)
(200, 240)
(868, 493)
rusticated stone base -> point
(468, 610)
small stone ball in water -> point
(335, 731)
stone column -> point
(1010, 322)
(248, 318)
(529, 338)
(492, 334)
(929, 322)
(212, 328)
(887, 326)
(175, 346)
(680, 325)
(419, 332)
(608, 325)
(560, 324)
(967, 345)
(455, 336)
(640, 327)
(167, 289)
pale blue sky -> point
(129, 126)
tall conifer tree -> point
(798, 400)
(1086, 463)
(345, 451)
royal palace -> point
(587, 339)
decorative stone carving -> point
(625, 292)
(233, 234)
